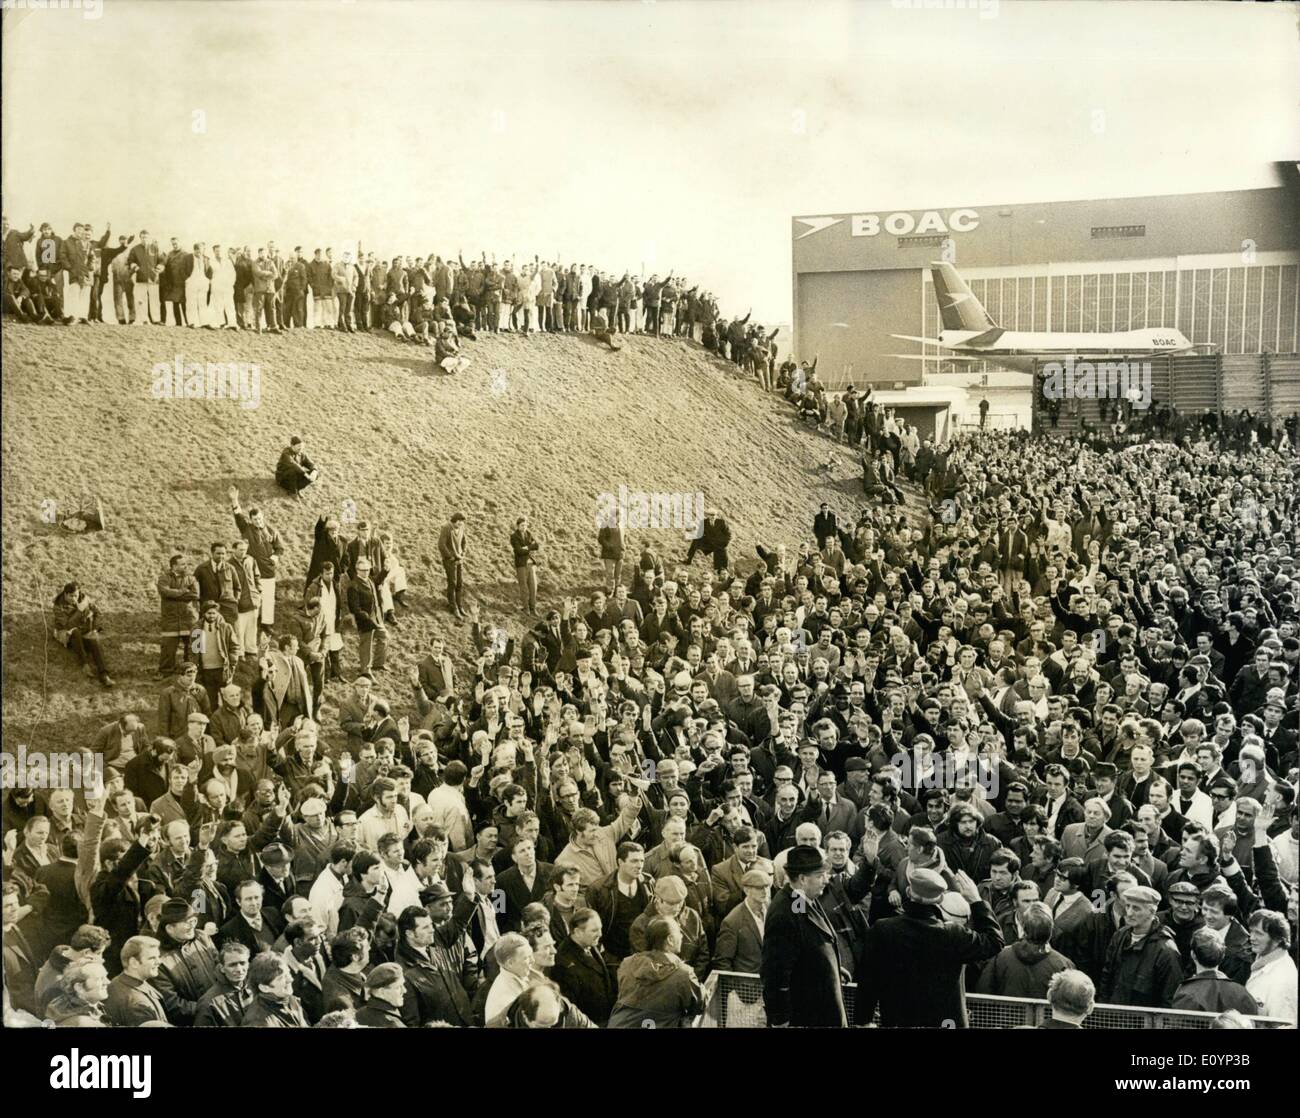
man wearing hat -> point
(385, 993)
(295, 471)
(911, 965)
(1184, 918)
(1142, 965)
(276, 877)
(740, 936)
(218, 650)
(178, 701)
(802, 968)
(188, 965)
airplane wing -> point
(913, 338)
(934, 357)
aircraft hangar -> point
(1224, 268)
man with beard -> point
(964, 843)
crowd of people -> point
(432, 300)
(1039, 740)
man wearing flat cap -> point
(740, 936)
(385, 992)
(911, 965)
(802, 966)
(1142, 966)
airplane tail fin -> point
(958, 307)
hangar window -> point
(1105, 232)
(921, 242)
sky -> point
(637, 135)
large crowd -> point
(1037, 739)
(431, 300)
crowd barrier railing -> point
(736, 1002)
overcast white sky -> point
(681, 135)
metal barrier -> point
(737, 1003)
(996, 421)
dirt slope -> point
(540, 426)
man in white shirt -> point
(450, 812)
(326, 893)
(387, 816)
(1191, 802)
(515, 957)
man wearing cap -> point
(295, 471)
(802, 970)
(179, 700)
(670, 901)
(911, 965)
(218, 652)
(188, 965)
(1184, 918)
(740, 935)
(385, 993)
(1142, 965)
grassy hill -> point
(540, 426)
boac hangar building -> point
(1223, 268)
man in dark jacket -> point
(585, 974)
(911, 965)
(385, 992)
(117, 895)
(1142, 964)
(367, 612)
(440, 981)
(1210, 990)
(188, 965)
(802, 969)
(295, 471)
(714, 538)
(621, 897)
(964, 843)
